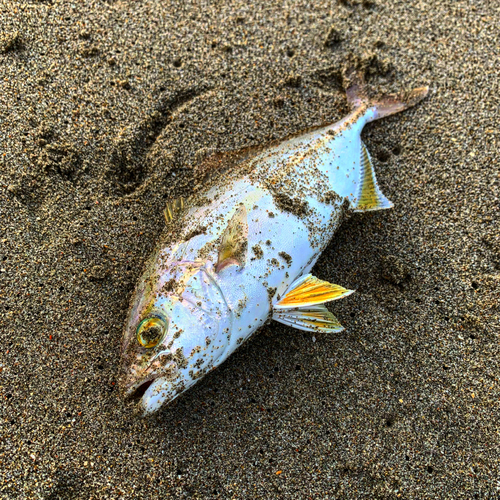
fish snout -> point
(137, 381)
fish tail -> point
(369, 196)
(384, 105)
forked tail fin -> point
(368, 196)
(384, 105)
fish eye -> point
(151, 331)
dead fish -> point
(243, 251)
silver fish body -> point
(243, 253)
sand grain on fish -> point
(108, 110)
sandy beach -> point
(106, 109)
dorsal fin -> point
(309, 319)
(234, 242)
(173, 208)
(369, 197)
(309, 291)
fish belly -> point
(285, 239)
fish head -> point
(178, 328)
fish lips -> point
(134, 389)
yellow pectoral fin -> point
(308, 291)
(309, 319)
(234, 242)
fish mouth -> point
(136, 393)
(134, 390)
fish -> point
(239, 253)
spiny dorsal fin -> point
(309, 319)
(173, 208)
(369, 197)
(234, 243)
(309, 291)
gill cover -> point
(197, 311)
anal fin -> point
(369, 197)
(309, 319)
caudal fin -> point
(383, 105)
(369, 196)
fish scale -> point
(244, 256)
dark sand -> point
(104, 109)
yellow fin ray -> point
(234, 243)
(309, 291)
(369, 196)
(173, 208)
(309, 319)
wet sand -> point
(105, 110)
